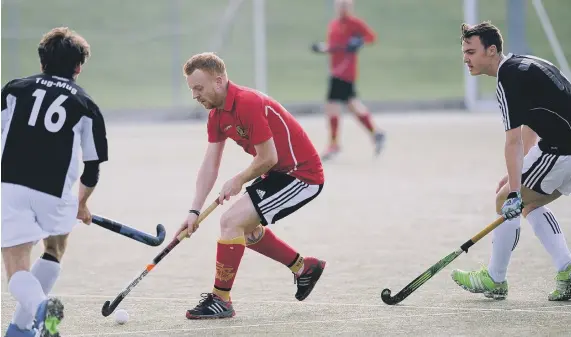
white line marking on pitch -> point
(400, 306)
(344, 320)
(533, 310)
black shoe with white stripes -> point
(312, 270)
(211, 306)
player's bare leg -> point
(28, 292)
(362, 113)
(333, 112)
(47, 270)
(306, 270)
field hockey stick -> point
(424, 277)
(130, 232)
(109, 307)
(341, 67)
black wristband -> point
(513, 195)
(194, 211)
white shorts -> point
(30, 216)
(545, 173)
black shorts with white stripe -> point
(278, 195)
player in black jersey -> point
(535, 101)
(46, 120)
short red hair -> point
(208, 62)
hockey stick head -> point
(386, 297)
(144, 237)
(161, 234)
(106, 310)
(109, 307)
(131, 232)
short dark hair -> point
(488, 33)
(61, 50)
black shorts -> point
(340, 90)
(279, 195)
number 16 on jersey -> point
(54, 109)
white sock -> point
(504, 240)
(47, 273)
(27, 290)
(549, 232)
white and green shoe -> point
(562, 290)
(480, 282)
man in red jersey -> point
(287, 172)
(346, 34)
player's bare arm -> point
(514, 152)
(83, 212)
(88, 181)
(205, 180)
(208, 173)
(529, 138)
(266, 157)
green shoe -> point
(479, 281)
(562, 290)
(48, 317)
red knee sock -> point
(228, 256)
(334, 127)
(365, 119)
(273, 247)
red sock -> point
(228, 256)
(334, 127)
(366, 121)
(273, 247)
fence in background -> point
(139, 46)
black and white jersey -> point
(46, 121)
(531, 91)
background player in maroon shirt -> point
(287, 172)
(346, 34)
